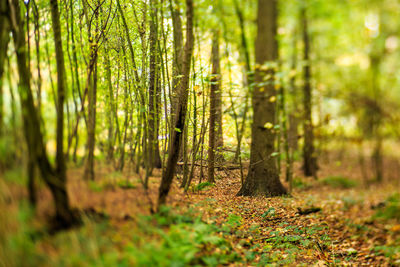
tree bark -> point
(216, 83)
(310, 164)
(4, 40)
(177, 67)
(213, 138)
(263, 177)
(153, 144)
(32, 131)
(181, 109)
(61, 89)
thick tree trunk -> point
(310, 164)
(181, 109)
(32, 131)
(263, 176)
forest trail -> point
(258, 230)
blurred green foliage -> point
(339, 182)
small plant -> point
(339, 182)
(125, 184)
(188, 241)
(300, 184)
(234, 220)
(391, 209)
(269, 213)
(96, 187)
(391, 252)
(202, 186)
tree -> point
(310, 161)
(65, 217)
(180, 110)
(61, 88)
(4, 40)
(153, 145)
(263, 176)
(214, 87)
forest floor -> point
(347, 224)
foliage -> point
(15, 175)
(300, 183)
(390, 209)
(202, 186)
(339, 182)
(186, 242)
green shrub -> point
(16, 175)
(339, 182)
(391, 209)
(202, 186)
(300, 184)
(125, 184)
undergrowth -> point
(339, 182)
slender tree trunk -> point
(177, 67)
(37, 45)
(310, 164)
(154, 152)
(34, 137)
(110, 108)
(214, 88)
(249, 77)
(181, 108)
(294, 116)
(89, 167)
(377, 159)
(195, 144)
(216, 83)
(263, 177)
(4, 40)
(61, 89)
(91, 85)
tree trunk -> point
(110, 107)
(89, 168)
(263, 177)
(92, 97)
(216, 83)
(32, 131)
(248, 77)
(310, 164)
(213, 138)
(177, 67)
(154, 153)
(61, 89)
(4, 40)
(181, 108)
